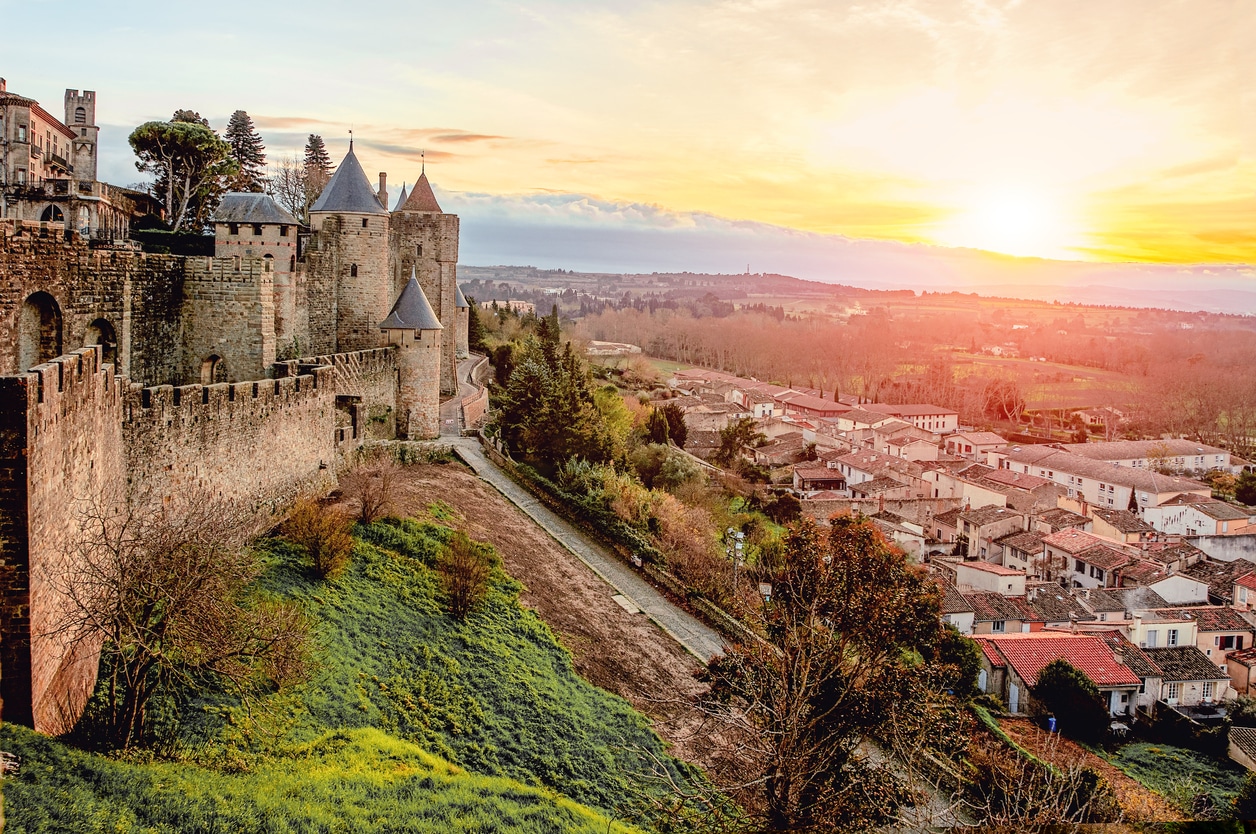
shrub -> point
(371, 485)
(464, 572)
(1064, 691)
(324, 533)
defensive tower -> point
(413, 328)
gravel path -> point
(698, 639)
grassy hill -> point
(412, 721)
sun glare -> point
(1013, 222)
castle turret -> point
(401, 199)
(352, 286)
(462, 331)
(413, 328)
(424, 240)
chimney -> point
(1118, 656)
(4, 85)
(383, 188)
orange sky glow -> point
(1104, 130)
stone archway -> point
(39, 331)
(213, 370)
(101, 332)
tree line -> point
(193, 167)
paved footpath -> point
(696, 638)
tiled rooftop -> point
(1185, 663)
(1029, 654)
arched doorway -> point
(213, 369)
(101, 332)
(52, 214)
(39, 331)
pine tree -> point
(318, 167)
(247, 149)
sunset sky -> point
(1107, 130)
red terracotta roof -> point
(1029, 654)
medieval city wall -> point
(61, 460)
(368, 378)
(261, 443)
(228, 313)
(138, 295)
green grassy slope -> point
(409, 716)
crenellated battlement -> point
(213, 400)
(54, 385)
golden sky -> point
(1103, 130)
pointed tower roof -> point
(460, 300)
(421, 198)
(412, 310)
(401, 200)
(349, 190)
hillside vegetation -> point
(412, 720)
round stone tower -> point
(424, 242)
(413, 328)
(352, 228)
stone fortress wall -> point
(154, 376)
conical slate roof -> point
(460, 300)
(401, 200)
(349, 190)
(412, 311)
(421, 198)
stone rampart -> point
(260, 442)
(228, 319)
(61, 458)
(367, 376)
(136, 295)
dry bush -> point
(465, 573)
(371, 484)
(324, 533)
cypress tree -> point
(248, 150)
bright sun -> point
(1014, 222)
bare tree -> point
(167, 593)
(289, 184)
(371, 484)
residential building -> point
(1241, 664)
(1013, 662)
(1052, 521)
(1097, 482)
(1119, 525)
(923, 416)
(1188, 679)
(1197, 515)
(956, 610)
(987, 576)
(1242, 747)
(974, 445)
(980, 527)
(1024, 550)
(813, 478)
(1177, 454)
(994, 613)
(1219, 630)
(1220, 577)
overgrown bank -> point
(409, 715)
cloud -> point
(574, 231)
